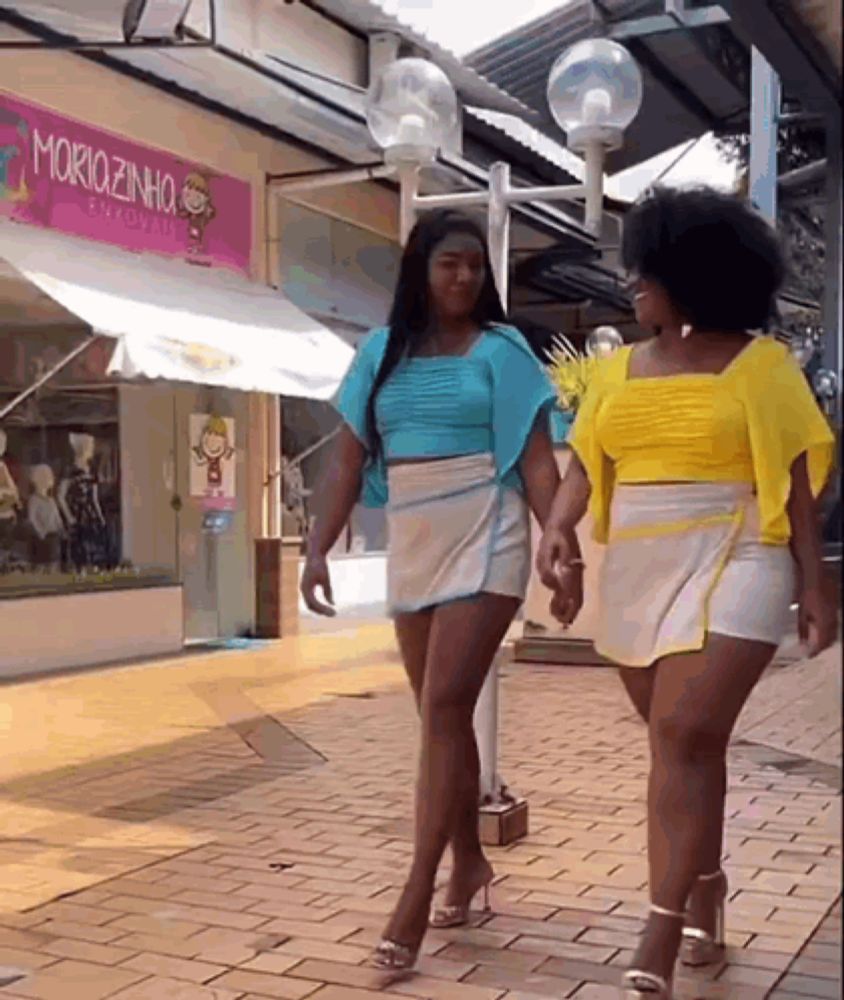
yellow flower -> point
(570, 372)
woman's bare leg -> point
(639, 684)
(412, 633)
(696, 700)
(464, 638)
(469, 864)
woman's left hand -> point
(817, 620)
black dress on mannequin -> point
(86, 536)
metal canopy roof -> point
(799, 41)
(369, 16)
(573, 282)
(694, 81)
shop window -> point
(61, 511)
(343, 276)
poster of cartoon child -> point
(197, 206)
(213, 461)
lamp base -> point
(503, 823)
(405, 154)
(580, 138)
(561, 651)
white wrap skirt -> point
(683, 561)
(454, 531)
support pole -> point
(486, 712)
(764, 116)
(408, 175)
(833, 343)
(499, 227)
(274, 461)
(594, 161)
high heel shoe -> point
(390, 956)
(639, 984)
(457, 914)
(699, 947)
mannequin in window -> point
(44, 520)
(10, 501)
(79, 502)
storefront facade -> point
(135, 483)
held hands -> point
(316, 576)
(561, 571)
(817, 621)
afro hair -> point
(718, 260)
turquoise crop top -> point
(486, 401)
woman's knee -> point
(447, 705)
(685, 740)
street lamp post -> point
(594, 93)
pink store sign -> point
(60, 174)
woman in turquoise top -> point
(446, 424)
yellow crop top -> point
(747, 424)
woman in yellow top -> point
(700, 453)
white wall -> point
(57, 632)
(358, 582)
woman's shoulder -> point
(610, 371)
(371, 347)
(374, 340)
(761, 358)
(501, 340)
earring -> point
(686, 330)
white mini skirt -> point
(683, 561)
(454, 531)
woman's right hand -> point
(556, 551)
(568, 595)
(315, 575)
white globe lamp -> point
(595, 92)
(411, 109)
(603, 341)
(826, 384)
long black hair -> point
(410, 314)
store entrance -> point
(210, 501)
(186, 489)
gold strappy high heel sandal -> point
(457, 914)
(699, 947)
(390, 956)
(639, 984)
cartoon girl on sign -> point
(213, 449)
(196, 206)
(14, 128)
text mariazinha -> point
(83, 166)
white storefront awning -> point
(181, 322)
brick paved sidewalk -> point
(259, 858)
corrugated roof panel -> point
(531, 138)
(370, 16)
